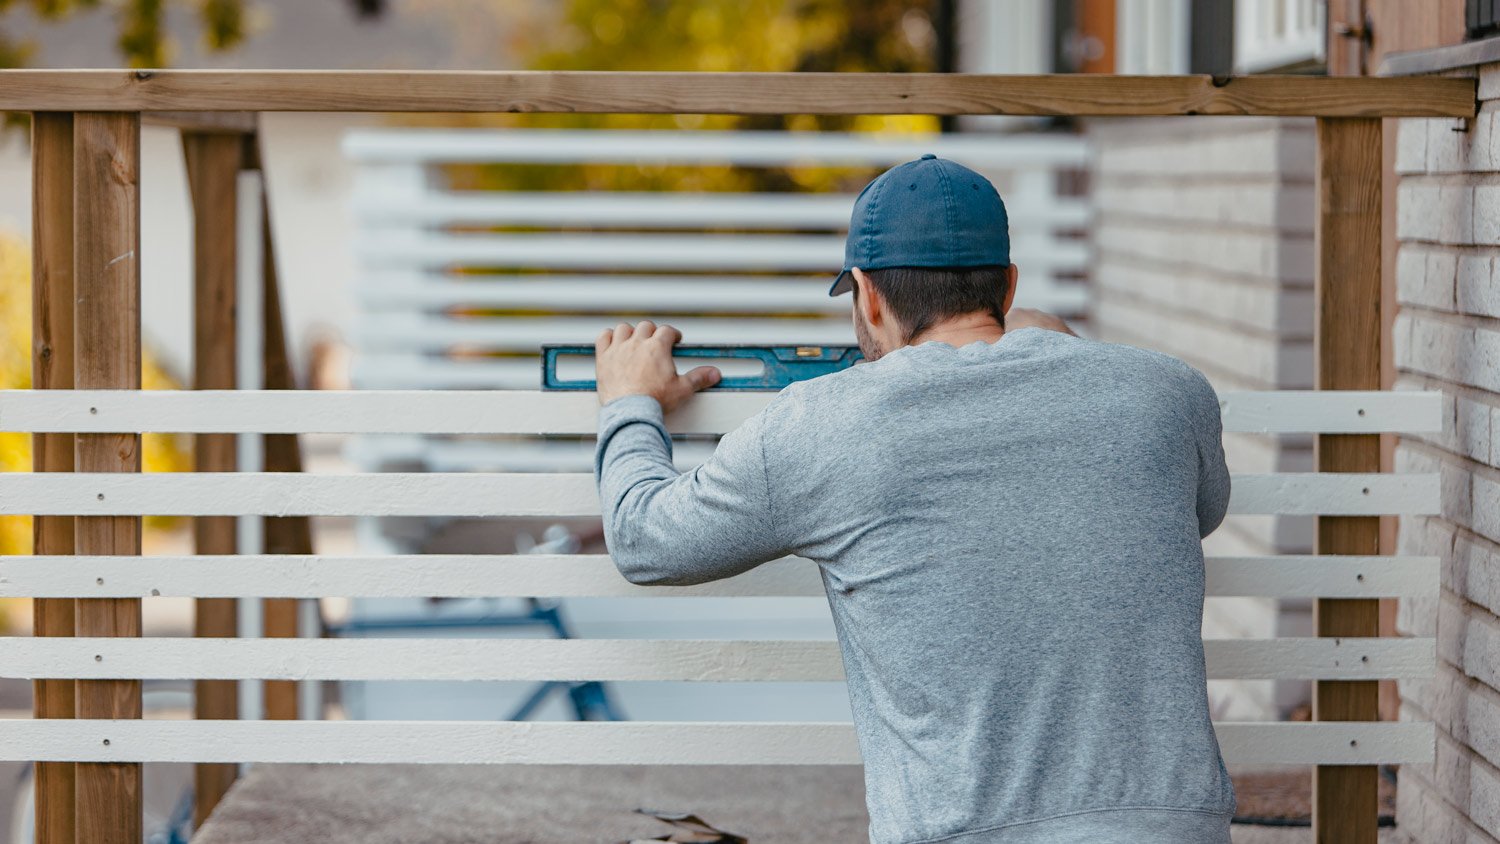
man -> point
(1007, 522)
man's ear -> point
(1011, 276)
(868, 300)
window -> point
(1153, 36)
(1280, 35)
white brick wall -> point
(1205, 252)
(1448, 338)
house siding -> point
(1447, 337)
(1205, 252)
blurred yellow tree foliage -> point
(161, 452)
(140, 35)
(713, 35)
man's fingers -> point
(622, 332)
(645, 328)
(702, 377)
(669, 335)
(603, 340)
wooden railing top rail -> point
(730, 93)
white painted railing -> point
(438, 283)
(1277, 34)
(547, 575)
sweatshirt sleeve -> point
(670, 528)
(1213, 474)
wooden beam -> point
(52, 369)
(213, 165)
(283, 534)
(1345, 808)
(731, 93)
(107, 354)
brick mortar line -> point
(1241, 382)
(1430, 440)
(1173, 225)
(1468, 607)
(1487, 323)
(1441, 797)
(1261, 282)
(1472, 685)
(1208, 182)
(1466, 751)
(1451, 178)
(1249, 331)
(1441, 243)
(1474, 467)
(1271, 182)
(1197, 316)
(1104, 253)
(1478, 395)
(1470, 535)
(1201, 225)
(1428, 247)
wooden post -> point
(283, 534)
(52, 369)
(107, 355)
(213, 165)
(1345, 807)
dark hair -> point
(920, 297)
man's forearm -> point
(665, 527)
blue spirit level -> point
(783, 364)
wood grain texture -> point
(1348, 341)
(730, 93)
(213, 165)
(107, 355)
(283, 453)
(52, 369)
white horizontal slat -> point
(632, 294)
(1363, 412)
(612, 660)
(526, 412)
(1322, 576)
(609, 660)
(663, 295)
(686, 251)
(1334, 494)
(658, 209)
(558, 495)
(379, 452)
(1319, 659)
(408, 371)
(607, 743)
(433, 332)
(595, 576)
(761, 149)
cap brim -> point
(843, 284)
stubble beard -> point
(867, 344)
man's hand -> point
(1032, 318)
(638, 362)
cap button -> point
(927, 156)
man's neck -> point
(961, 331)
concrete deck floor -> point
(450, 804)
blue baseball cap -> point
(931, 212)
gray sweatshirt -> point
(1009, 537)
